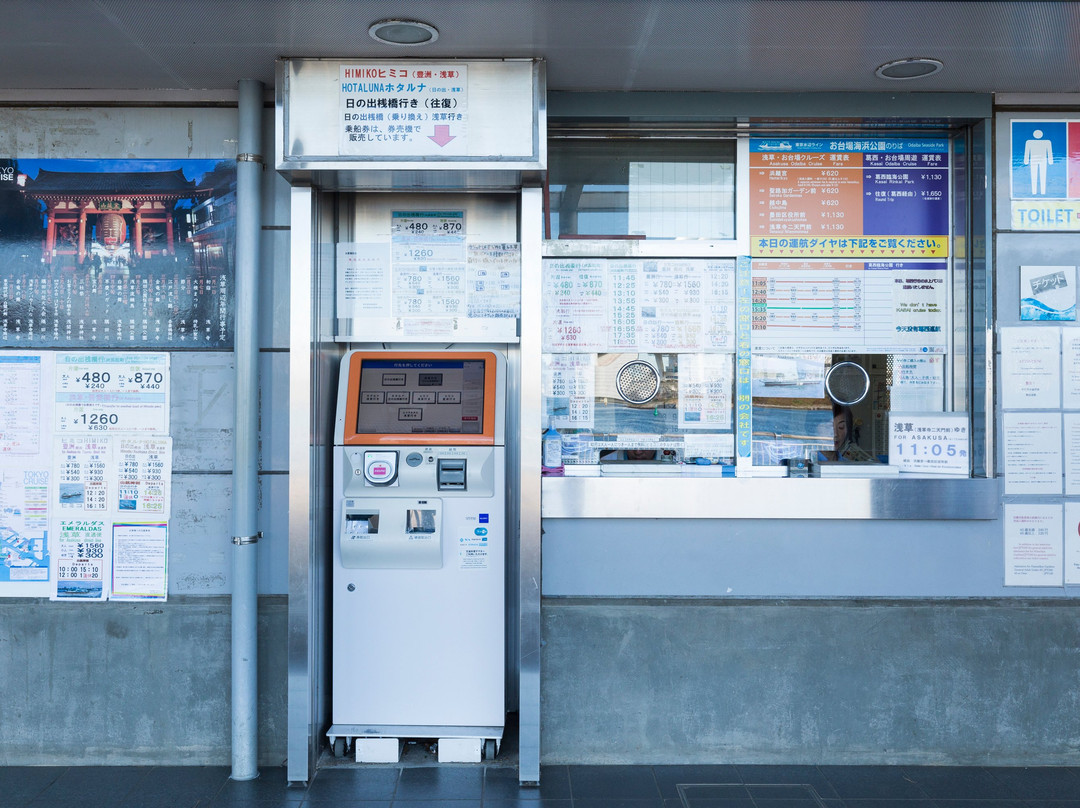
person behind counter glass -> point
(845, 437)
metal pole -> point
(245, 689)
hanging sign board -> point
(339, 114)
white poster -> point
(569, 384)
(20, 403)
(1072, 453)
(363, 280)
(494, 281)
(24, 526)
(111, 392)
(1030, 367)
(1072, 543)
(1070, 368)
(81, 559)
(81, 475)
(705, 386)
(1033, 545)
(140, 556)
(143, 468)
(1032, 450)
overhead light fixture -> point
(403, 32)
(915, 68)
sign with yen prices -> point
(391, 110)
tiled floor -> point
(496, 786)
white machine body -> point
(419, 567)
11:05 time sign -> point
(937, 443)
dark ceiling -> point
(722, 45)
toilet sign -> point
(408, 111)
(1045, 175)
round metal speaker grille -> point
(637, 382)
(847, 383)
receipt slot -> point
(419, 553)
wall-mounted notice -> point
(407, 110)
(144, 476)
(674, 305)
(1072, 543)
(140, 556)
(1032, 452)
(705, 382)
(117, 253)
(24, 526)
(20, 403)
(363, 280)
(938, 443)
(1033, 545)
(850, 306)
(81, 559)
(1070, 368)
(493, 288)
(1048, 293)
(1072, 453)
(1030, 367)
(111, 392)
(429, 283)
(1045, 175)
(865, 198)
(82, 466)
(569, 382)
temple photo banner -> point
(117, 253)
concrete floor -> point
(495, 786)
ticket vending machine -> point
(419, 553)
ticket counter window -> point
(688, 351)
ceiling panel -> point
(738, 45)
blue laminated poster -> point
(117, 253)
(1047, 293)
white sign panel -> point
(937, 443)
(20, 403)
(1072, 543)
(1030, 368)
(140, 555)
(1033, 545)
(111, 392)
(403, 109)
(1033, 457)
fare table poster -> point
(109, 492)
(863, 198)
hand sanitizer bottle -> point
(552, 450)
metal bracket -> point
(248, 157)
(241, 540)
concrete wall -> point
(989, 682)
(134, 684)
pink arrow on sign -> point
(442, 135)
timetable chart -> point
(814, 305)
(849, 306)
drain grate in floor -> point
(748, 795)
